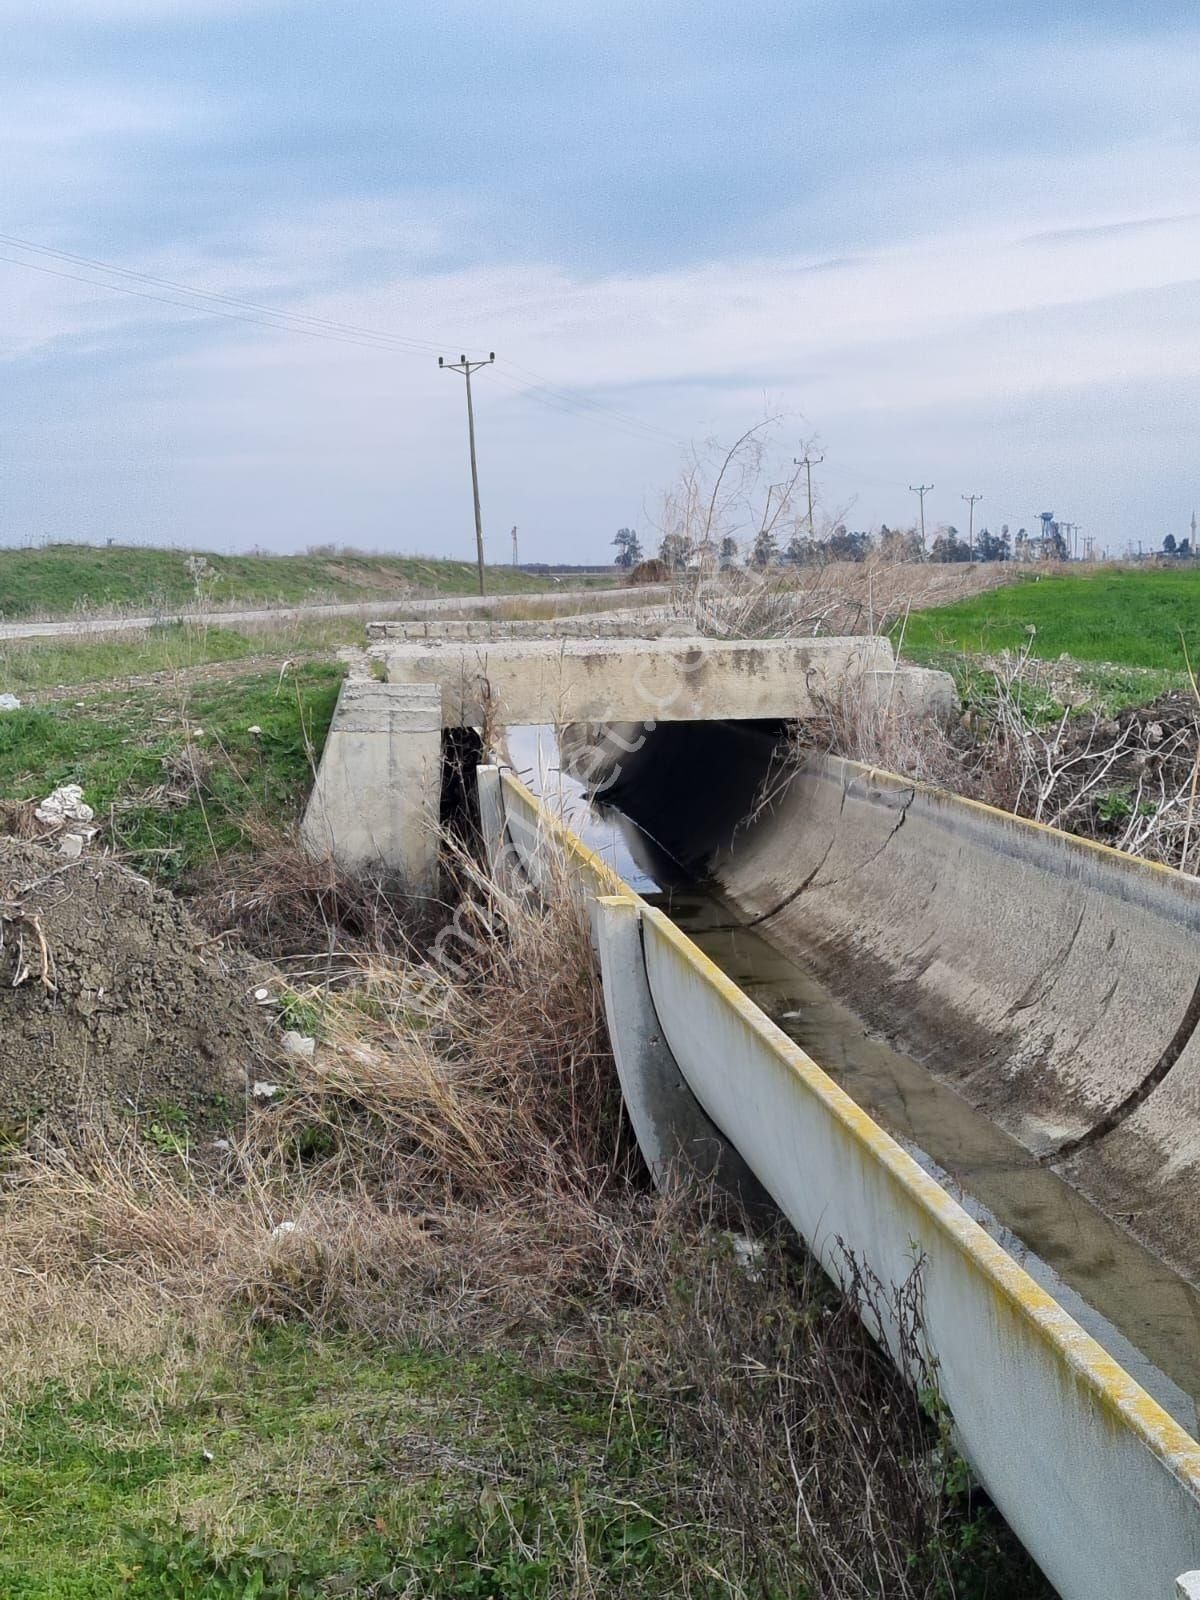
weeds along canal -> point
(1143, 1313)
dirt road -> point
(558, 599)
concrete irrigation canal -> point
(943, 1040)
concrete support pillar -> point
(673, 1132)
(375, 802)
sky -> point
(957, 245)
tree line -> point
(679, 552)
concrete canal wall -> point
(1099, 1483)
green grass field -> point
(167, 810)
(1134, 618)
(299, 1467)
(58, 579)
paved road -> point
(79, 627)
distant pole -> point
(808, 464)
(921, 490)
(467, 368)
(971, 499)
(514, 538)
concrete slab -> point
(609, 680)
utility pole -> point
(921, 489)
(467, 368)
(808, 464)
(514, 539)
(971, 499)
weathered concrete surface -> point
(1101, 1485)
(673, 1132)
(687, 680)
(649, 623)
(376, 799)
(1053, 982)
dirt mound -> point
(110, 1003)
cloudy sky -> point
(961, 250)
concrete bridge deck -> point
(376, 801)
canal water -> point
(1137, 1308)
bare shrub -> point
(283, 902)
(17, 820)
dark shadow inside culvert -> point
(686, 787)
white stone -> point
(298, 1044)
(254, 729)
(282, 1229)
(9, 702)
(263, 1090)
(64, 804)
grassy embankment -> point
(512, 1395)
(58, 579)
(173, 770)
(1123, 630)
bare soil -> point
(112, 1003)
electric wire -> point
(251, 311)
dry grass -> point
(284, 903)
(840, 599)
(1129, 781)
(452, 1167)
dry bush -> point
(451, 1166)
(869, 719)
(452, 1155)
(839, 599)
(819, 1456)
(17, 820)
(283, 902)
(1130, 780)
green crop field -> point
(1136, 618)
(57, 579)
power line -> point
(183, 305)
(467, 368)
(420, 346)
(252, 311)
(971, 500)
